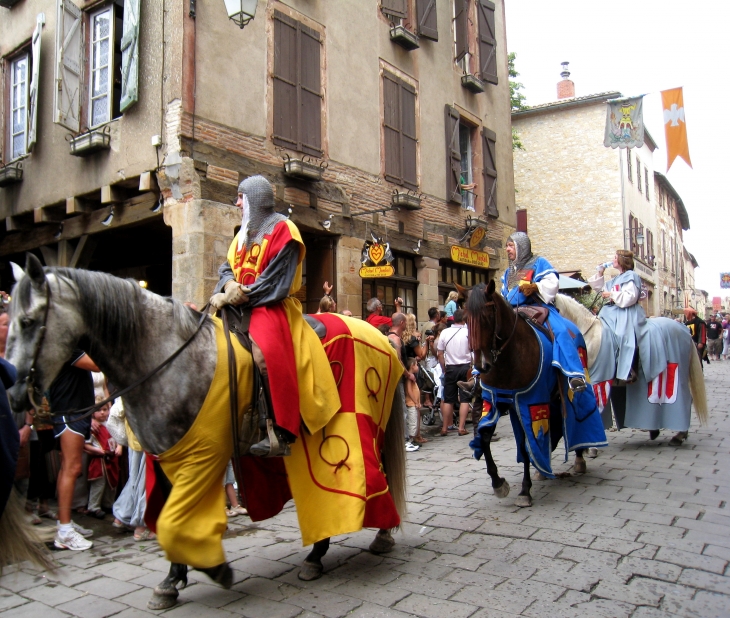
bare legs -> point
(72, 447)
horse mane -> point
(111, 307)
(476, 299)
(575, 312)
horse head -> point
(487, 313)
(44, 330)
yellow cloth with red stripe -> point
(191, 524)
(295, 360)
(335, 474)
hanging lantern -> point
(241, 12)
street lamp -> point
(240, 12)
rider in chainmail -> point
(258, 217)
(524, 257)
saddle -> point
(537, 317)
(258, 420)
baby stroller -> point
(427, 385)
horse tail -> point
(697, 386)
(394, 455)
(20, 541)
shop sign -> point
(477, 236)
(376, 259)
(472, 257)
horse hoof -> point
(221, 574)
(310, 571)
(538, 476)
(163, 598)
(592, 452)
(382, 544)
(678, 439)
(523, 501)
(580, 466)
(503, 490)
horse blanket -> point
(531, 409)
(335, 475)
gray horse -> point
(128, 331)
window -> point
(485, 43)
(466, 179)
(629, 168)
(297, 86)
(638, 174)
(108, 51)
(664, 250)
(403, 283)
(650, 256)
(466, 276)
(399, 128)
(18, 125)
(489, 162)
(646, 182)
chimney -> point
(566, 88)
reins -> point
(88, 411)
(494, 350)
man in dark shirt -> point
(714, 338)
(73, 389)
(697, 328)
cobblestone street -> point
(646, 532)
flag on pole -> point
(675, 127)
(624, 123)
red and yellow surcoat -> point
(298, 368)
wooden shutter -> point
(130, 55)
(286, 81)
(396, 8)
(453, 156)
(33, 91)
(392, 128)
(297, 86)
(426, 16)
(68, 65)
(640, 230)
(521, 220)
(487, 42)
(408, 135)
(310, 92)
(460, 28)
(399, 127)
(489, 157)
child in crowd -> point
(103, 472)
(228, 482)
(413, 403)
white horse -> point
(640, 393)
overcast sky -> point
(643, 47)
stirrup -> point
(273, 444)
(577, 385)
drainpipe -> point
(623, 197)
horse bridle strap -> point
(88, 411)
(496, 351)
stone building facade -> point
(351, 109)
(583, 200)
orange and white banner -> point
(675, 127)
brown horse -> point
(509, 356)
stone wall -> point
(570, 185)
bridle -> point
(497, 351)
(42, 409)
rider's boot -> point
(578, 384)
(275, 443)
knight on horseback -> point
(262, 273)
(531, 280)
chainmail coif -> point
(260, 218)
(523, 247)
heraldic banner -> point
(725, 281)
(675, 127)
(624, 123)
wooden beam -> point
(83, 252)
(77, 205)
(50, 256)
(111, 194)
(17, 224)
(64, 252)
(148, 181)
(135, 210)
(44, 215)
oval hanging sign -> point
(477, 237)
(376, 272)
(472, 257)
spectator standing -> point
(104, 454)
(725, 339)
(697, 328)
(228, 482)
(714, 338)
(413, 403)
(73, 389)
(451, 307)
(375, 312)
(455, 359)
(395, 334)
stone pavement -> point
(646, 532)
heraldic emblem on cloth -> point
(624, 123)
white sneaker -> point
(410, 447)
(73, 541)
(80, 529)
